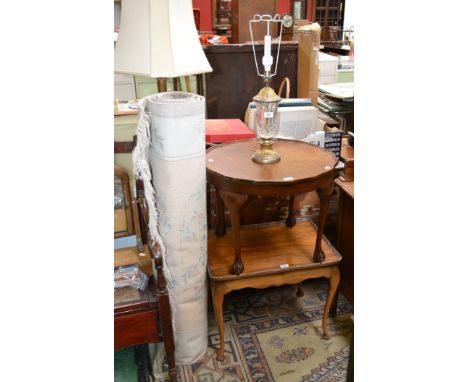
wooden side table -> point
(141, 317)
(270, 254)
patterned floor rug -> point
(272, 335)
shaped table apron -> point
(264, 188)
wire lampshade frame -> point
(268, 19)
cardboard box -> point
(297, 24)
(308, 61)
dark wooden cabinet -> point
(243, 11)
(345, 222)
(234, 80)
(345, 237)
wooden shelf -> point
(265, 247)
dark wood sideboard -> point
(234, 80)
(345, 222)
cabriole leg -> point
(217, 294)
(324, 194)
(234, 203)
(333, 286)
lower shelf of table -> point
(264, 248)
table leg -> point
(217, 295)
(291, 220)
(299, 291)
(334, 305)
(324, 194)
(220, 226)
(140, 362)
(234, 203)
(333, 286)
(148, 363)
(166, 322)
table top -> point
(300, 161)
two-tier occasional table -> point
(271, 254)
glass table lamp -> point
(266, 101)
(266, 125)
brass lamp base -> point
(265, 154)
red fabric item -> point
(225, 130)
(205, 37)
(202, 39)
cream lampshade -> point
(158, 38)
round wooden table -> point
(274, 255)
(303, 167)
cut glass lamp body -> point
(266, 125)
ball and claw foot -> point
(237, 268)
(290, 221)
(319, 257)
(220, 231)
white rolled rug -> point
(171, 138)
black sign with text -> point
(333, 143)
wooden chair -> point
(140, 316)
(286, 82)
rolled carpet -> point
(171, 139)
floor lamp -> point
(159, 39)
